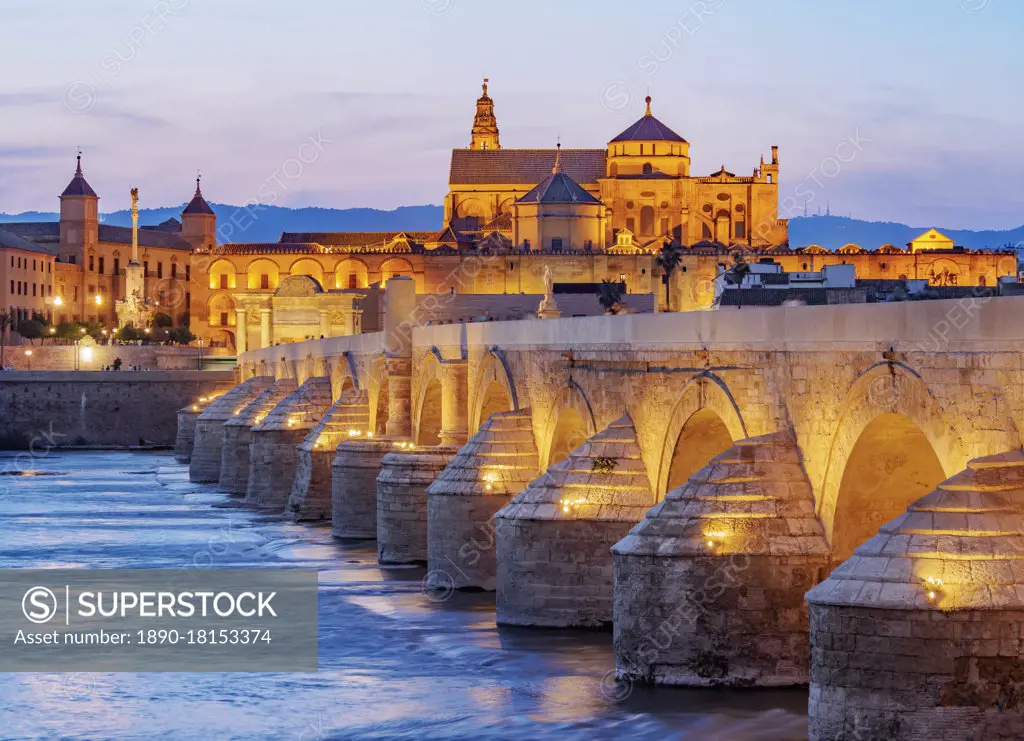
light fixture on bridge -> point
(489, 480)
(195, 407)
(291, 422)
(933, 587)
(354, 433)
(568, 505)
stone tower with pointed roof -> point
(79, 218)
(198, 221)
(485, 125)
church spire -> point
(485, 125)
(78, 187)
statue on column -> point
(133, 309)
(548, 308)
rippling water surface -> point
(393, 663)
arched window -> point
(648, 168)
(647, 220)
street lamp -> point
(28, 357)
(58, 301)
(99, 300)
(78, 362)
(200, 354)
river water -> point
(393, 662)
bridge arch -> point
(890, 448)
(344, 376)
(428, 403)
(377, 390)
(569, 425)
(705, 421)
(495, 390)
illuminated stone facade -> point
(510, 215)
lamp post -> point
(77, 360)
(28, 358)
(200, 354)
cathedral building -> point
(642, 179)
(510, 217)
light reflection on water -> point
(393, 664)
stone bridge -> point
(765, 497)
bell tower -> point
(485, 125)
(79, 218)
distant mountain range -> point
(266, 223)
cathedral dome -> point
(648, 129)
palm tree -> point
(610, 293)
(669, 258)
(6, 320)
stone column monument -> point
(133, 309)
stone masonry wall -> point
(186, 436)
(556, 573)
(915, 675)
(402, 502)
(111, 409)
(354, 487)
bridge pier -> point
(402, 502)
(273, 455)
(919, 634)
(311, 490)
(495, 465)
(204, 466)
(354, 487)
(709, 587)
(555, 538)
(234, 464)
(185, 439)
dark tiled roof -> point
(527, 166)
(501, 224)
(35, 231)
(351, 239)
(147, 237)
(198, 205)
(170, 225)
(778, 296)
(78, 186)
(648, 129)
(558, 188)
(12, 240)
(448, 235)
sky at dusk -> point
(907, 111)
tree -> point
(610, 294)
(740, 268)
(6, 319)
(69, 331)
(162, 319)
(669, 258)
(128, 333)
(30, 329)
(182, 335)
